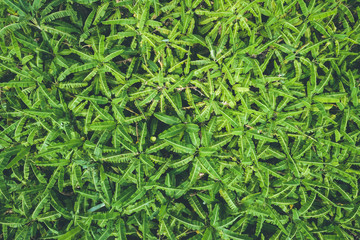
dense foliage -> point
(182, 119)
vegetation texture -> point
(182, 119)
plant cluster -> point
(182, 119)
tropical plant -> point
(182, 119)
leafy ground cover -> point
(183, 119)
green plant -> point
(179, 119)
